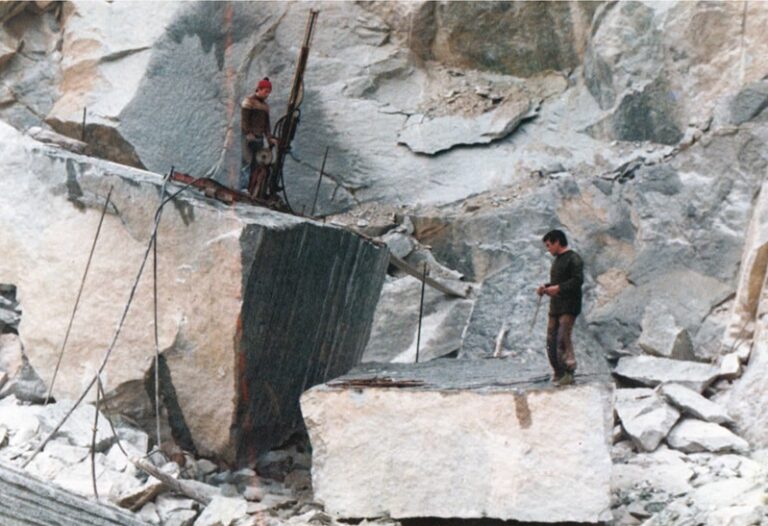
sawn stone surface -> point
(446, 438)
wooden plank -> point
(408, 269)
(26, 500)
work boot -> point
(566, 379)
(555, 378)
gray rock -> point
(749, 102)
(730, 366)
(78, 427)
(652, 371)
(395, 325)
(180, 518)
(168, 507)
(433, 135)
(222, 511)
(692, 403)
(399, 244)
(662, 336)
(149, 513)
(21, 422)
(519, 39)
(645, 416)
(664, 470)
(694, 435)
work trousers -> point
(559, 344)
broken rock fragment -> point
(446, 439)
(692, 403)
(645, 416)
(430, 136)
(663, 336)
(692, 435)
(652, 371)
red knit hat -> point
(264, 83)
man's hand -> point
(540, 290)
(552, 290)
(273, 141)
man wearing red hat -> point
(257, 138)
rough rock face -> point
(253, 306)
(519, 38)
(659, 67)
(748, 329)
(399, 451)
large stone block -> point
(460, 438)
(253, 306)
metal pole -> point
(82, 129)
(319, 179)
(421, 310)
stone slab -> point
(461, 439)
(652, 371)
(253, 306)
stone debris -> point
(78, 427)
(730, 366)
(652, 371)
(692, 403)
(692, 435)
(645, 416)
(223, 511)
(662, 335)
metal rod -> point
(421, 310)
(79, 294)
(319, 180)
(82, 129)
(115, 336)
(157, 338)
(93, 446)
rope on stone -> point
(79, 294)
(116, 335)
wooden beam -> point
(408, 269)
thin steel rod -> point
(421, 310)
(319, 180)
(118, 330)
(157, 338)
(93, 446)
(79, 293)
(82, 128)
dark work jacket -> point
(568, 272)
(254, 117)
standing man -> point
(257, 139)
(564, 289)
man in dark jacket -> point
(257, 138)
(564, 289)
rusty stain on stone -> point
(522, 410)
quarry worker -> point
(564, 289)
(257, 139)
